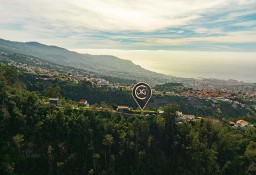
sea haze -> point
(191, 64)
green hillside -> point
(40, 138)
(104, 65)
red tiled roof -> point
(83, 101)
(241, 121)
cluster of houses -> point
(221, 95)
(55, 101)
(181, 117)
(238, 124)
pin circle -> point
(141, 92)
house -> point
(180, 118)
(230, 123)
(234, 105)
(189, 117)
(104, 86)
(179, 114)
(183, 117)
(159, 111)
(241, 123)
(48, 79)
(54, 101)
(114, 87)
(102, 82)
(83, 102)
(123, 109)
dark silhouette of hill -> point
(106, 65)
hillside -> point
(111, 66)
(104, 65)
(42, 138)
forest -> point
(44, 139)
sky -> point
(143, 31)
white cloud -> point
(233, 14)
(71, 22)
(147, 15)
(245, 23)
(232, 37)
(207, 30)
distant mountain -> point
(105, 65)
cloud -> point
(111, 15)
(117, 23)
(233, 37)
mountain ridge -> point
(101, 64)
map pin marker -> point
(142, 93)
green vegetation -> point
(18, 59)
(120, 80)
(38, 138)
(76, 91)
(167, 86)
(104, 65)
(201, 107)
(53, 80)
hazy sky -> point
(193, 27)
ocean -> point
(239, 66)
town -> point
(238, 97)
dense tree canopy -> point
(38, 138)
